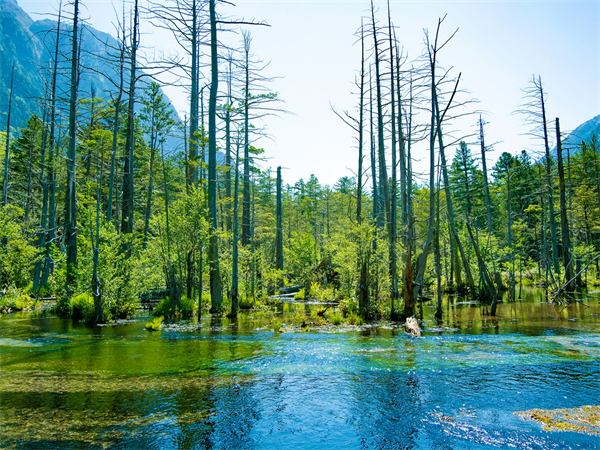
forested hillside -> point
(108, 196)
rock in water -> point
(413, 327)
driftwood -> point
(290, 289)
(323, 311)
(562, 290)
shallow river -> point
(240, 385)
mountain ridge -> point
(29, 45)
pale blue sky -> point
(499, 46)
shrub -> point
(164, 309)
(187, 308)
(276, 324)
(82, 308)
(354, 319)
(300, 295)
(335, 318)
(17, 300)
(246, 303)
(17, 255)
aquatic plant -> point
(580, 420)
(187, 308)
(335, 318)
(276, 324)
(354, 319)
(155, 324)
(82, 307)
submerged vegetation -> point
(580, 420)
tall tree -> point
(216, 294)
(157, 123)
(128, 186)
(50, 234)
(279, 213)
(116, 118)
(7, 143)
(71, 197)
(564, 224)
(535, 110)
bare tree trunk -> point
(392, 228)
(97, 294)
(213, 255)
(383, 178)
(149, 198)
(116, 120)
(438, 265)
(566, 241)
(7, 144)
(29, 178)
(37, 271)
(279, 236)
(409, 292)
(48, 263)
(228, 220)
(360, 129)
(552, 218)
(194, 91)
(422, 258)
(488, 203)
(71, 197)
(128, 188)
(454, 234)
(235, 257)
(510, 240)
(376, 215)
(246, 188)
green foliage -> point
(82, 308)
(155, 324)
(246, 303)
(348, 306)
(354, 319)
(276, 324)
(16, 300)
(121, 278)
(187, 308)
(17, 255)
(335, 317)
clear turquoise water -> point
(238, 385)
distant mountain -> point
(29, 45)
(583, 132)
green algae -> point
(579, 420)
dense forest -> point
(109, 198)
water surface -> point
(236, 385)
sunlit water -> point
(239, 385)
